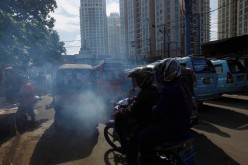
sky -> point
(68, 23)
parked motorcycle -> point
(179, 151)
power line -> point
(167, 24)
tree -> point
(11, 37)
(26, 33)
(28, 10)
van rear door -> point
(205, 85)
(238, 72)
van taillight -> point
(229, 78)
(194, 80)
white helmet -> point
(167, 70)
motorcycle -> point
(22, 121)
(179, 151)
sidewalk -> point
(7, 113)
(243, 96)
(7, 107)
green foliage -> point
(26, 33)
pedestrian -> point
(26, 95)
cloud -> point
(73, 46)
(69, 7)
(67, 17)
(68, 24)
(113, 7)
(214, 20)
(111, 1)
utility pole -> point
(164, 41)
(168, 44)
(188, 5)
(199, 33)
(150, 45)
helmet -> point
(28, 86)
(167, 70)
(143, 76)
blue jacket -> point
(173, 109)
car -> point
(204, 76)
(232, 76)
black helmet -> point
(143, 76)
(167, 70)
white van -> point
(232, 76)
(204, 76)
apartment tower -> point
(114, 35)
(156, 28)
(93, 24)
(232, 18)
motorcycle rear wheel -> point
(111, 137)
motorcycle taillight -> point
(194, 80)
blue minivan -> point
(204, 76)
(232, 76)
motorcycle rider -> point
(140, 109)
(27, 94)
(171, 114)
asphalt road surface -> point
(221, 139)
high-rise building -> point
(124, 49)
(232, 18)
(93, 24)
(242, 17)
(157, 27)
(114, 35)
(136, 21)
(227, 22)
(170, 27)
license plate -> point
(207, 80)
(240, 78)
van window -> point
(235, 66)
(218, 69)
(112, 75)
(65, 76)
(202, 65)
(183, 64)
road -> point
(221, 139)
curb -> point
(236, 96)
